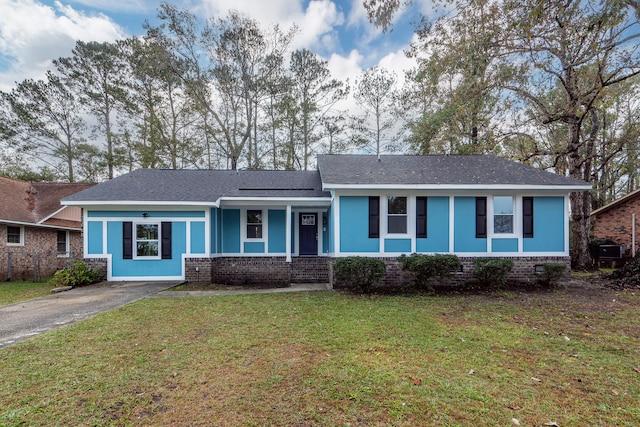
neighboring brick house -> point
(37, 234)
(619, 221)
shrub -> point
(359, 271)
(426, 267)
(76, 274)
(492, 271)
(552, 272)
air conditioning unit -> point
(610, 251)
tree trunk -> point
(580, 202)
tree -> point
(582, 48)
(375, 94)
(98, 73)
(315, 93)
(165, 119)
(459, 72)
(225, 82)
(43, 121)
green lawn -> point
(332, 359)
(11, 292)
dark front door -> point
(308, 234)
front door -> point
(308, 234)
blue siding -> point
(197, 238)
(354, 225)
(146, 268)
(150, 214)
(548, 226)
(254, 247)
(94, 237)
(504, 245)
(464, 223)
(437, 226)
(231, 230)
(277, 233)
(397, 245)
(330, 226)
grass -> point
(12, 292)
(332, 359)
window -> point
(397, 215)
(503, 214)
(14, 235)
(62, 242)
(254, 224)
(146, 243)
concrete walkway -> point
(28, 318)
(295, 287)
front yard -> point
(570, 357)
(12, 292)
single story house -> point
(619, 221)
(37, 234)
(257, 226)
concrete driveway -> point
(25, 319)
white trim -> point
(36, 225)
(336, 223)
(185, 205)
(473, 187)
(52, 215)
(67, 238)
(287, 233)
(452, 227)
(243, 229)
(459, 254)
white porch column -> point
(288, 233)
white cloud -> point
(316, 23)
(348, 67)
(32, 34)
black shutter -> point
(421, 217)
(374, 217)
(481, 217)
(527, 217)
(127, 240)
(165, 249)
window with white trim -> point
(15, 235)
(254, 224)
(396, 215)
(147, 240)
(503, 216)
(62, 242)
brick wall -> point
(523, 270)
(616, 223)
(310, 270)
(252, 271)
(38, 257)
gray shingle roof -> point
(456, 170)
(158, 185)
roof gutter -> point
(329, 187)
(35, 224)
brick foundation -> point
(523, 271)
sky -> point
(34, 32)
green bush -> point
(359, 271)
(492, 271)
(427, 267)
(552, 272)
(76, 274)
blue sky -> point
(34, 32)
